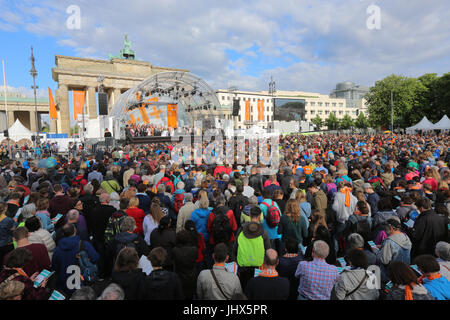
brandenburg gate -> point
(120, 74)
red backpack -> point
(273, 215)
(179, 202)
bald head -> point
(271, 258)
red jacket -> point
(230, 216)
(138, 215)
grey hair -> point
(188, 197)
(355, 240)
(128, 225)
(112, 292)
(161, 188)
(220, 199)
(253, 200)
(73, 214)
(443, 250)
(180, 185)
(88, 188)
(245, 180)
(321, 249)
(28, 210)
(86, 293)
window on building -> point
(228, 98)
(223, 97)
(319, 104)
(313, 103)
(347, 112)
(239, 119)
(334, 112)
(341, 112)
(341, 104)
(320, 111)
(334, 104)
(313, 112)
(327, 112)
(327, 104)
(253, 99)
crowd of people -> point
(132, 224)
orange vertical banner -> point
(247, 110)
(51, 102)
(260, 110)
(144, 114)
(172, 116)
(78, 103)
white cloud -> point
(329, 38)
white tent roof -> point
(443, 124)
(424, 124)
(18, 131)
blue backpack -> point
(89, 271)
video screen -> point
(289, 110)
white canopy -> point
(443, 124)
(424, 124)
(18, 131)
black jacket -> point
(162, 285)
(184, 258)
(131, 282)
(263, 288)
(166, 239)
(429, 229)
(98, 220)
(255, 181)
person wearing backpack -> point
(221, 224)
(114, 222)
(251, 243)
(178, 197)
(79, 181)
(66, 254)
(272, 215)
(237, 203)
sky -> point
(306, 45)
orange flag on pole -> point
(247, 110)
(78, 102)
(172, 116)
(260, 110)
(51, 102)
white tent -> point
(424, 124)
(443, 124)
(18, 131)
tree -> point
(407, 101)
(318, 122)
(346, 122)
(332, 122)
(361, 122)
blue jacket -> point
(65, 256)
(200, 218)
(273, 232)
(438, 288)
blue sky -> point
(306, 45)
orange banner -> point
(51, 102)
(78, 103)
(132, 119)
(247, 110)
(260, 110)
(144, 114)
(172, 116)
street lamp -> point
(33, 73)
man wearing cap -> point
(372, 198)
(396, 247)
(443, 253)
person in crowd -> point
(268, 285)
(66, 255)
(60, 203)
(112, 292)
(127, 274)
(356, 241)
(405, 284)
(137, 214)
(200, 217)
(320, 200)
(352, 284)
(164, 236)
(13, 271)
(217, 283)
(151, 220)
(287, 265)
(110, 184)
(442, 252)
(39, 235)
(292, 223)
(185, 255)
(437, 285)
(185, 212)
(161, 284)
(85, 293)
(317, 278)
(7, 227)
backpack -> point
(165, 181)
(113, 227)
(250, 251)
(273, 215)
(179, 202)
(77, 183)
(221, 229)
(89, 271)
(176, 179)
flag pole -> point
(6, 106)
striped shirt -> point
(317, 279)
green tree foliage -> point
(318, 122)
(332, 122)
(346, 122)
(414, 98)
(361, 122)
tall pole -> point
(6, 106)
(392, 111)
(33, 73)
